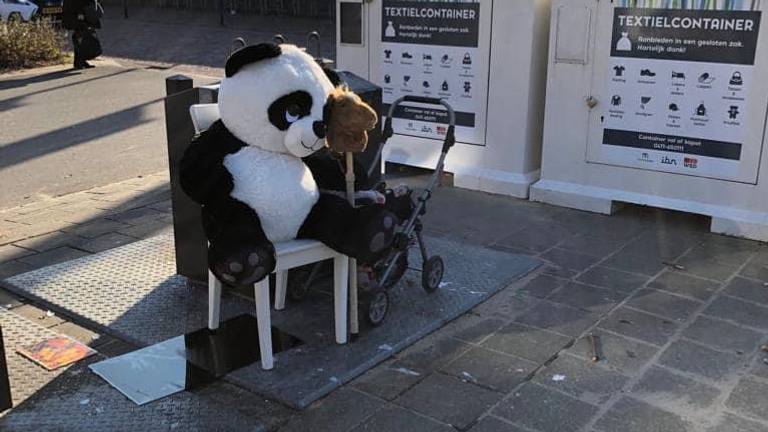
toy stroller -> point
(385, 273)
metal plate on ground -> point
(133, 293)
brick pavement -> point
(679, 315)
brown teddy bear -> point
(348, 121)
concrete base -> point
(495, 181)
(725, 220)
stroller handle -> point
(450, 136)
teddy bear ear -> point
(333, 76)
(250, 54)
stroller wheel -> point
(432, 274)
(377, 307)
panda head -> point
(273, 97)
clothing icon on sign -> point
(706, 78)
(733, 112)
(406, 80)
(616, 100)
(624, 44)
(390, 30)
(678, 75)
(387, 79)
(426, 57)
(701, 110)
(736, 79)
(388, 54)
(644, 101)
(444, 87)
(425, 84)
(618, 70)
(647, 73)
(467, 59)
(406, 55)
(673, 107)
(467, 86)
(446, 59)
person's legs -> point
(76, 38)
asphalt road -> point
(63, 131)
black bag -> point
(90, 47)
(93, 13)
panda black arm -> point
(202, 172)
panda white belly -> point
(279, 187)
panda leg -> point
(363, 233)
(239, 252)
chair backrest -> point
(204, 115)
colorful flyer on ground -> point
(56, 352)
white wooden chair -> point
(290, 254)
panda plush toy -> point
(248, 174)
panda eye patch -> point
(289, 108)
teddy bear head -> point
(348, 121)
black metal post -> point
(5, 385)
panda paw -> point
(245, 266)
(380, 231)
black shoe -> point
(87, 65)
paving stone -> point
(701, 265)
(38, 316)
(732, 423)
(631, 415)
(149, 229)
(723, 335)
(536, 237)
(542, 409)
(663, 304)
(494, 424)
(639, 325)
(393, 418)
(615, 351)
(570, 260)
(755, 271)
(12, 268)
(582, 379)
(449, 400)
(587, 297)
(262, 413)
(686, 285)
(430, 353)
(53, 256)
(647, 265)
(96, 228)
(473, 328)
(137, 216)
(497, 371)
(666, 246)
(163, 206)
(340, 411)
(115, 348)
(542, 285)
(596, 245)
(507, 305)
(697, 359)
(387, 382)
(11, 252)
(749, 397)
(559, 272)
(106, 242)
(665, 388)
(52, 241)
(741, 312)
(76, 332)
(616, 280)
(747, 289)
(760, 366)
(728, 250)
(559, 318)
(529, 343)
(9, 300)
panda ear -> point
(333, 76)
(250, 54)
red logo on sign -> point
(441, 130)
(691, 162)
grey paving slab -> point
(699, 360)
(569, 259)
(628, 261)
(53, 256)
(507, 305)
(474, 328)
(542, 285)
(77, 332)
(581, 378)
(459, 403)
(387, 381)
(700, 264)
(683, 284)
(723, 335)
(394, 418)
(597, 245)
(497, 371)
(747, 289)
(728, 422)
(663, 388)
(142, 286)
(615, 351)
(631, 415)
(559, 318)
(639, 325)
(106, 242)
(12, 268)
(542, 409)
(52, 241)
(11, 252)
(587, 297)
(529, 343)
(95, 228)
(664, 304)
(749, 398)
(756, 270)
(334, 414)
(729, 250)
(738, 311)
(430, 353)
(43, 318)
(613, 279)
(494, 424)
(9, 300)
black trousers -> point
(77, 38)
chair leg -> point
(214, 301)
(281, 288)
(341, 296)
(261, 295)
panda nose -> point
(319, 128)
